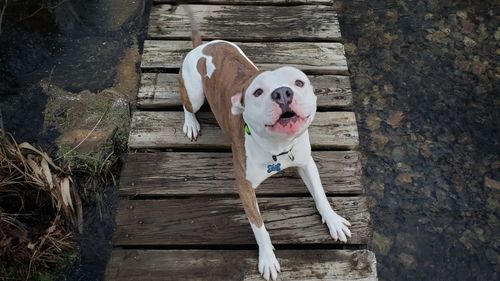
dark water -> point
(76, 45)
(425, 78)
(73, 44)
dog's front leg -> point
(337, 225)
(268, 264)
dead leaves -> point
(26, 166)
(33, 182)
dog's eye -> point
(257, 92)
(299, 83)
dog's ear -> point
(237, 108)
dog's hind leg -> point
(192, 98)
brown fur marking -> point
(232, 74)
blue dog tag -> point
(274, 167)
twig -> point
(86, 137)
(3, 12)
(42, 7)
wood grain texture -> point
(152, 129)
(249, 2)
(222, 221)
(211, 173)
(220, 265)
(246, 23)
(160, 91)
(312, 58)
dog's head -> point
(278, 103)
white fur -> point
(268, 264)
(262, 110)
(191, 126)
(337, 225)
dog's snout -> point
(283, 95)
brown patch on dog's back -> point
(233, 72)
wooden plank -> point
(311, 57)
(204, 265)
(151, 129)
(249, 2)
(222, 221)
(211, 173)
(238, 23)
(160, 91)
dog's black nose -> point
(282, 96)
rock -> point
(398, 154)
(373, 122)
(407, 260)
(381, 243)
(379, 139)
(351, 49)
(491, 183)
(392, 16)
(395, 118)
(452, 18)
(89, 120)
(478, 68)
(405, 178)
(469, 43)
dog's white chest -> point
(261, 164)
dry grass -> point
(38, 207)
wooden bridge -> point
(179, 216)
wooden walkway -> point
(179, 216)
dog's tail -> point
(195, 32)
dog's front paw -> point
(268, 264)
(191, 126)
(337, 225)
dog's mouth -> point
(286, 118)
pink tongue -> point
(288, 126)
(285, 121)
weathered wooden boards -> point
(160, 91)
(222, 221)
(211, 173)
(255, 23)
(310, 57)
(163, 129)
(249, 2)
(179, 217)
(239, 265)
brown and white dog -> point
(265, 114)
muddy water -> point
(425, 80)
(76, 47)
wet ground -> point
(53, 53)
(425, 79)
